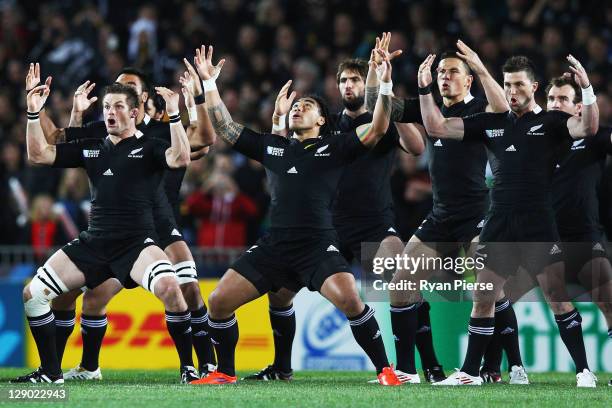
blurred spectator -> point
(223, 212)
(44, 230)
(74, 196)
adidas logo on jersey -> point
(148, 240)
(480, 224)
(251, 249)
(176, 233)
(332, 248)
(133, 154)
(511, 148)
(507, 330)
(438, 143)
(555, 250)
(392, 230)
(376, 335)
(598, 247)
(200, 333)
(292, 170)
(108, 172)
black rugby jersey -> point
(124, 180)
(525, 151)
(457, 168)
(302, 176)
(150, 128)
(576, 184)
(365, 188)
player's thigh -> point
(232, 291)
(389, 247)
(148, 256)
(341, 290)
(596, 276)
(414, 250)
(178, 251)
(281, 298)
(66, 270)
(96, 299)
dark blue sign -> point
(12, 337)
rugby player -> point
(363, 209)
(523, 142)
(166, 211)
(575, 198)
(125, 171)
(301, 248)
(460, 201)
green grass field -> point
(316, 389)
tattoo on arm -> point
(371, 95)
(397, 109)
(223, 124)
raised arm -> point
(203, 133)
(282, 105)
(370, 133)
(412, 137)
(493, 91)
(435, 124)
(177, 155)
(372, 80)
(220, 117)
(587, 123)
(80, 103)
(39, 151)
(52, 134)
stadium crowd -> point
(265, 43)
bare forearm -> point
(38, 150)
(52, 134)
(204, 134)
(221, 119)
(371, 90)
(411, 137)
(437, 125)
(397, 104)
(76, 119)
(179, 153)
(494, 93)
(369, 135)
(587, 124)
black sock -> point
(43, 331)
(224, 336)
(480, 331)
(404, 321)
(93, 329)
(282, 320)
(507, 327)
(367, 334)
(424, 339)
(200, 336)
(64, 326)
(570, 329)
(179, 327)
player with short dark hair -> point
(362, 211)
(575, 198)
(523, 143)
(125, 171)
(301, 248)
(457, 171)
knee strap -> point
(44, 287)
(154, 272)
(186, 272)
